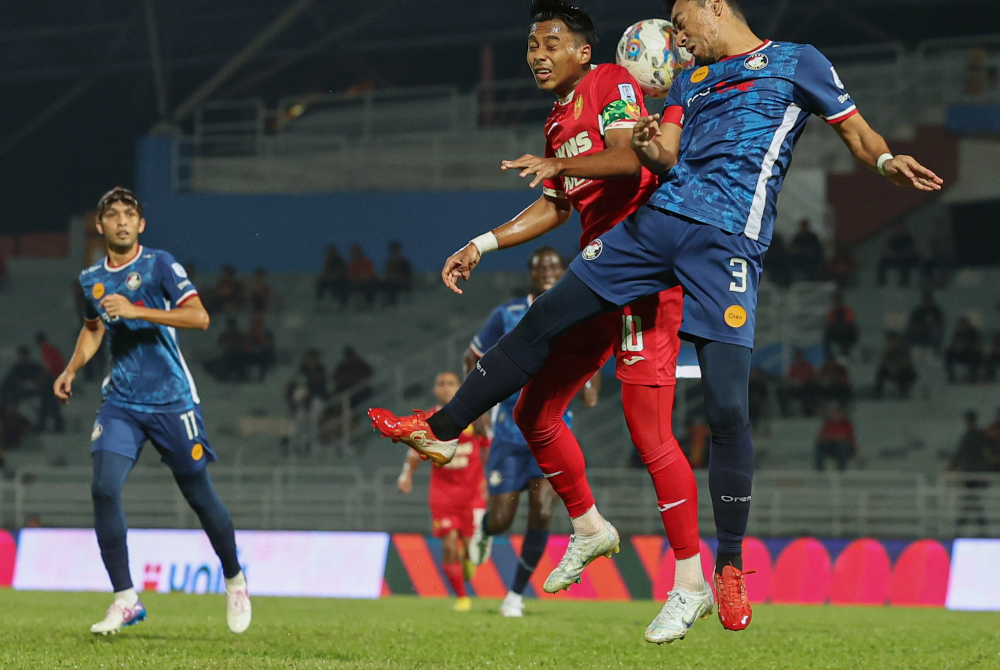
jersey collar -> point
(118, 268)
(763, 46)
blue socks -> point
(531, 552)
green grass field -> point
(50, 630)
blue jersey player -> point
(511, 468)
(722, 150)
(137, 297)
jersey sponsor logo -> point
(593, 250)
(739, 499)
(836, 78)
(632, 360)
(97, 291)
(553, 474)
(496, 478)
(184, 284)
(574, 146)
(197, 452)
(179, 270)
(578, 107)
(96, 432)
(722, 87)
(756, 62)
(699, 75)
(133, 281)
(736, 316)
(843, 98)
(665, 506)
(627, 92)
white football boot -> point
(581, 552)
(512, 606)
(239, 613)
(679, 613)
(119, 616)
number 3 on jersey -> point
(739, 274)
(190, 424)
(631, 332)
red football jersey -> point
(607, 98)
(459, 482)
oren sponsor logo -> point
(736, 316)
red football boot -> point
(734, 607)
(414, 432)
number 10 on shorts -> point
(190, 424)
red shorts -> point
(446, 518)
(648, 346)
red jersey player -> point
(588, 166)
(456, 491)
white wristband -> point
(882, 160)
(486, 243)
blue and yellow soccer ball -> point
(649, 51)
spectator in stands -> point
(966, 349)
(836, 440)
(231, 363)
(14, 427)
(398, 274)
(835, 382)
(925, 327)
(805, 255)
(974, 454)
(228, 294)
(27, 379)
(776, 260)
(758, 392)
(799, 383)
(840, 330)
(333, 277)
(306, 397)
(980, 76)
(993, 359)
(842, 266)
(353, 374)
(940, 263)
(311, 376)
(54, 364)
(895, 366)
(261, 298)
(361, 272)
(33, 521)
(900, 254)
(260, 347)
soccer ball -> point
(650, 53)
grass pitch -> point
(51, 630)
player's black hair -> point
(577, 20)
(118, 194)
(541, 251)
(734, 6)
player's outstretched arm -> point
(870, 148)
(615, 161)
(405, 480)
(545, 214)
(87, 344)
(656, 145)
(191, 314)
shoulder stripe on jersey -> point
(475, 349)
(844, 115)
(552, 193)
(752, 229)
(187, 296)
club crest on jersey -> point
(133, 281)
(593, 250)
(96, 432)
(578, 107)
(755, 62)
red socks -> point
(453, 571)
(649, 414)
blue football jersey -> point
(148, 372)
(502, 321)
(741, 118)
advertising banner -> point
(973, 584)
(277, 563)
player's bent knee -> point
(105, 492)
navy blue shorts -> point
(178, 436)
(654, 250)
(510, 468)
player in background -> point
(589, 166)
(456, 491)
(511, 468)
(137, 297)
(706, 228)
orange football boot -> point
(414, 432)
(731, 593)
